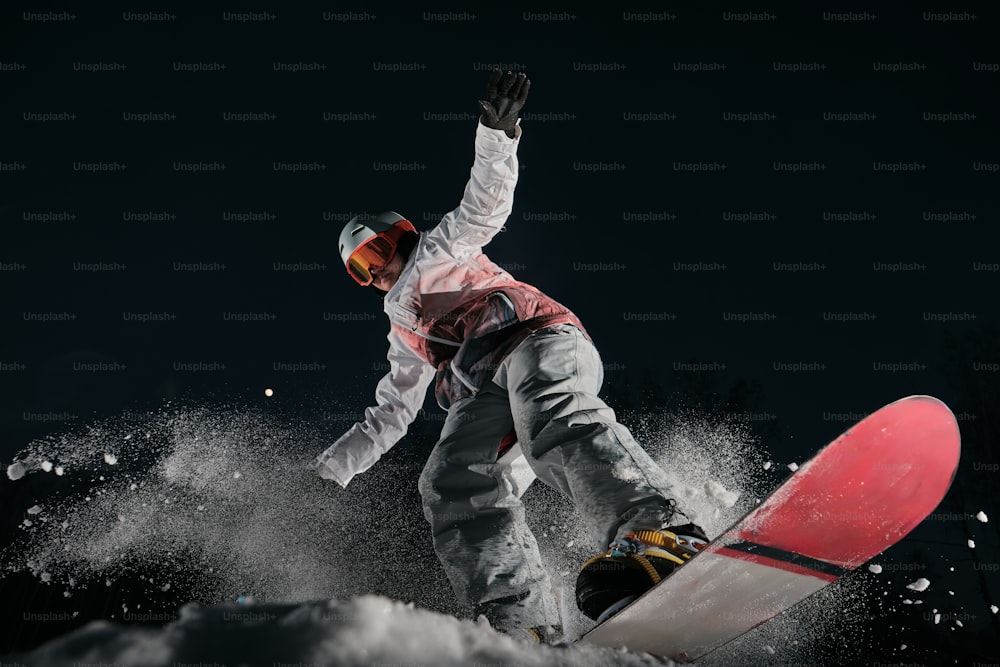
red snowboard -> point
(858, 496)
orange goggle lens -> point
(376, 252)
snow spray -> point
(217, 503)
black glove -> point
(504, 99)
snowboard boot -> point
(608, 582)
(527, 635)
(542, 634)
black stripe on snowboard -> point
(789, 557)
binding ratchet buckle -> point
(682, 545)
(689, 544)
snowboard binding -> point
(610, 581)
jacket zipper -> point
(413, 328)
(461, 376)
(507, 299)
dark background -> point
(568, 214)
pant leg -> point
(572, 439)
(478, 524)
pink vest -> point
(465, 333)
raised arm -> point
(489, 194)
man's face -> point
(386, 276)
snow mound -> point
(365, 630)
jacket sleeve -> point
(488, 198)
(399, 395)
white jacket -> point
(442, 308)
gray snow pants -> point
(546, 389)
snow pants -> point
(546, 390)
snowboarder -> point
(507, 361)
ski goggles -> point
(376, 252)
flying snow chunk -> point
(982, 517)
(972, 544)
(59, 470)
(919, 585)
(767, 465)
(269, 392)
(110, 459)
(793, 466)
(15, 470)
(994, 608)
(237, 474)
(35, 509)
(875, 569)
(719, 493)
(47, 466)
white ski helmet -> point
(371, 241)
